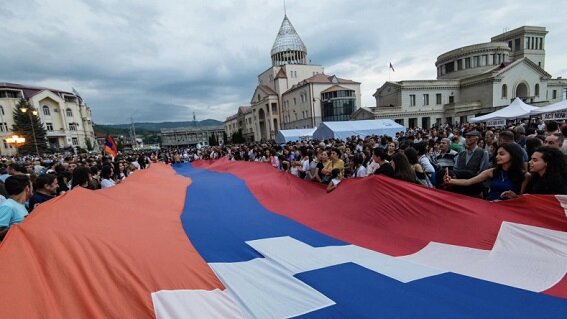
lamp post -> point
(34, 113)
(15, 140)
(313, 109)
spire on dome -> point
(288, 47)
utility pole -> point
(134, 139)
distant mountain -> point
(156, 127)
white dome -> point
(288, 47)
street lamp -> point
(15, 140)
(33, 112)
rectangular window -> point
(49, 126)
(476, 61)
(75, 141)
(294, 101)
(517, 44)
(451, 99)
(483, 59)
(412, 99)
(438, 98)
(526, 43)
(554, 95)
(426, 99)
(467, 63)
(459, 64)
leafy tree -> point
(26, 124)
(224, 137)
(213, 140)
(119, 144)
(237, 137)
(89, 144)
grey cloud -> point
(170, 58)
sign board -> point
(496, 123)
(560, 115)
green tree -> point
(27, 124)
(213, 140)
(89, 144)
(224, 137)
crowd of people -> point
(475, 160)
(494, 164)
(29, 181)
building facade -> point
(293, 93)
(65, 116)
(241, 122)
(190, 136)
(471, 81)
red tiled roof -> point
(281, 74)
(266, 89)
(322, 78)
(30, 91)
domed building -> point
(293, 93)
(288, 47)
(471, 81)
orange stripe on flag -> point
(100, 254)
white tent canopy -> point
(284, 136)
(518, 109)
(344, 129)
(551, 108)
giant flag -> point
(242, 240)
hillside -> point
(155, 127)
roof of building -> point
(322, 79)
(244, 109)
(287, 39)
(267, 90)
(30, 90)
(502, 68)
(335, 88)
(281, 74)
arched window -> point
(46, 110)
(69, 113)
(504, 91)
(537, 89)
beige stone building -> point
(471, 81)
(190, 136)
(65, 116)
(242, 122)
(293, 93)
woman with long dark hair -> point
(548, 168)
(358, 167)
(421, 176)
(507, 177)
(402, 168)
(106, 175)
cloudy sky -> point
(163, 60)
